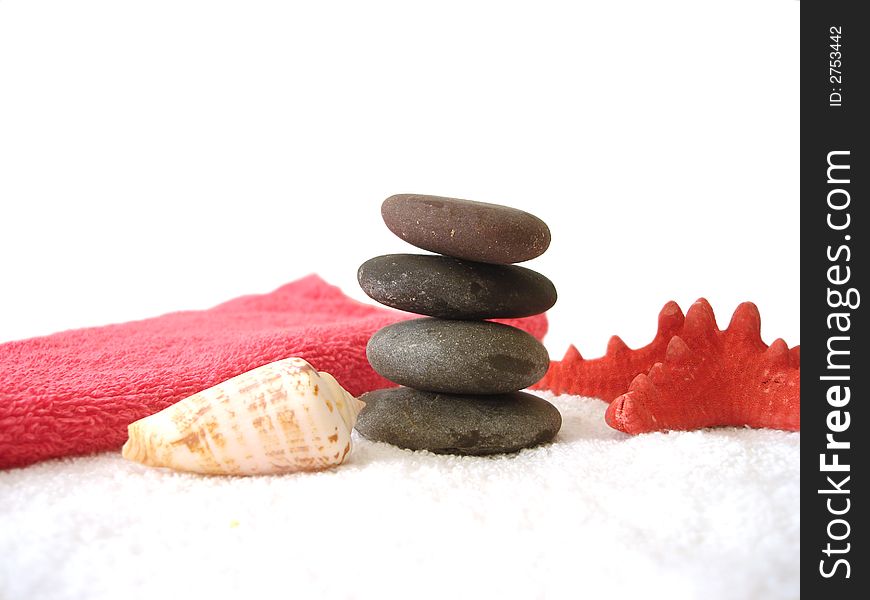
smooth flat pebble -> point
(459, 357)
(476, 231)
(458, 424)
(451, 288)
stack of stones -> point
(460, 374)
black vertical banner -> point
(835, 372)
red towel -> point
(76, 391)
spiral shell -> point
(278, 418)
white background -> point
(167, 155)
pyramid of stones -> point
(460, 375)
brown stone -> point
(466, 229)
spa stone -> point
(458, 357)
(450, 288)
(457, 424)
(466, 229)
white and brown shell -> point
(278, 418)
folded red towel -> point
(75, 392)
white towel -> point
(597, 514)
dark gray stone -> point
(450, 288)
(458, 357)
(466, 229)
(454, 424)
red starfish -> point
(713, 378)
(609, 376)
(692, 375)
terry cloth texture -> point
(75, 392)
(598, 514)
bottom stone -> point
(457, 424)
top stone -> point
(466, 229)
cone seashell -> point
(281, 417)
